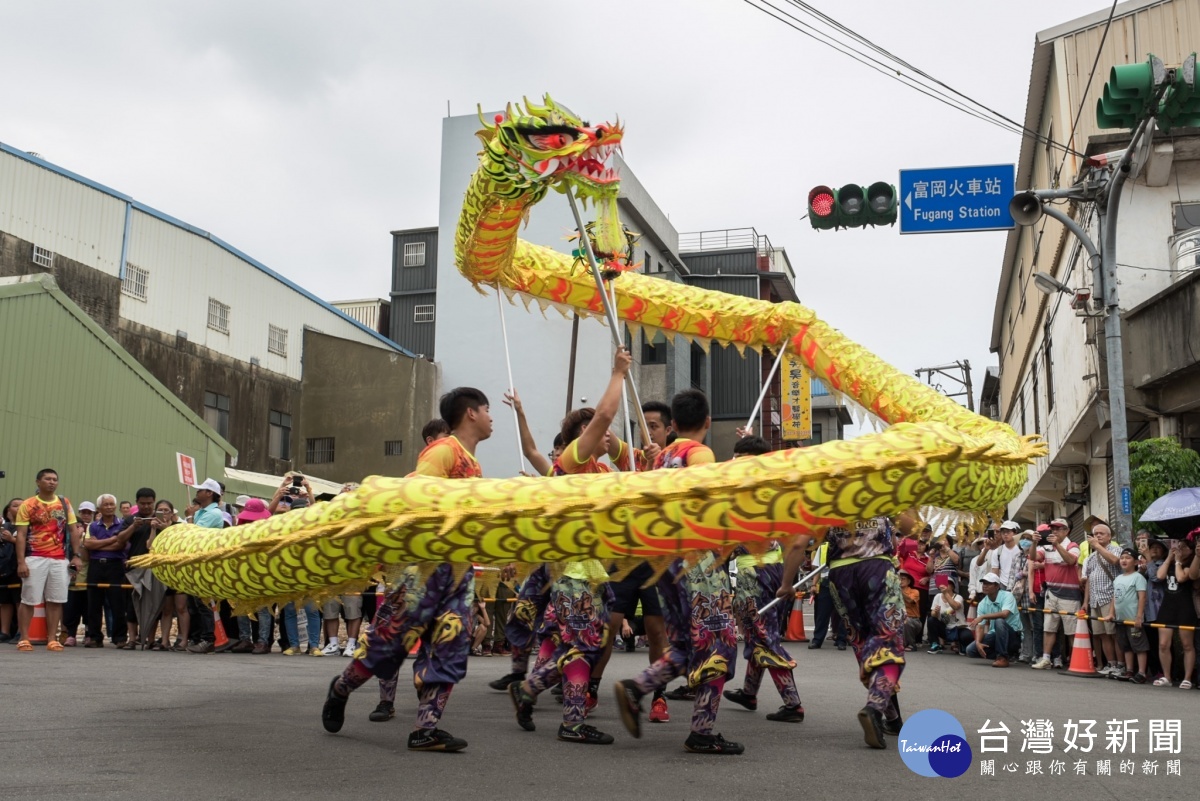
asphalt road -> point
(107, 724)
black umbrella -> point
(1177, 513)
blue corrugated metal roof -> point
(142, 207)
(818, 389)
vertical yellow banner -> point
(796, 399)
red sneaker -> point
(658, 711)
(591, 703)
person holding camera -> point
(293, 493)
(1058, 557)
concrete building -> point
(226, 333)
(1053, 376)
(74, 400)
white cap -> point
(209, 484)
(241, 500)
(1011, 525)
(991, 578)
(87, 506)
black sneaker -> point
(788, 714)
(893, 725)
(334, 713)
(383, 712)
(523, 703)
(681, 693)
(501, 684)
(711, 744)
(629, 705)
(742, 698)
(434, 740)
(583, 733)
(872, 724)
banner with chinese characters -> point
(795, 397)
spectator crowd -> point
(71, 560)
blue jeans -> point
(1002, 640)
(312, 616)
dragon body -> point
(933, 453)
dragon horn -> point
(509, 111)
(482, 121)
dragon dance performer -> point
(581, 616)
(697, 607)
(433, 611)
(866, 592)
(759, 578)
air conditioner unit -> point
(1077, 480)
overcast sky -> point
(303, 132)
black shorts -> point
(13, 595)
(628, 591)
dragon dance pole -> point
(767, 385)
(511, 386)
(795, 587)
(610, 311)
(625, 385)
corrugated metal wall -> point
(71, 402)
(727, 262)
(412, 287)
(61, 215)
(1170, 31)
(185, 270)
(734, 378)
(424, 277)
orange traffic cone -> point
(795, 626)
(1081, 652)
(37, 627)
(219, 636)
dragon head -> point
(551, 145)
(531, 149)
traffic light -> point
(1181, 106)
(852, 206)
(1127, 95)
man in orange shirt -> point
(434, 611)
(43, 524)
(697, 605)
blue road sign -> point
(1126, 501)
(945, 200)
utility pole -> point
(1136, 96)
(963, 379)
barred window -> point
(135, 282)
(43, 257)
(414, 254)
(423, 314)
(218, 316)
(393, 447)
(319, 450)
(277, 340)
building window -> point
(414, 254)
(817, 435)
(423, 314)
(697, 367)
(1187, 217)
(1035, 398)
(218, 316)
(319, 450)
(43, 257)
(277, 340)
(279, 444)
(216, 412)
(1049, 377)
(393, 447)
(654, 348)
(135, 281)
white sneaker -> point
(1058, 663)
(331, 648)
(350, 649)
(1042, 663)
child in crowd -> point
(947, 622)
(1129, 611)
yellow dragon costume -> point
(934, 452)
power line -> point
(981, 111)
